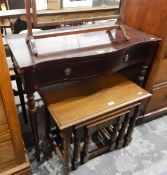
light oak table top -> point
(76, 102)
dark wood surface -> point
(75, 57)
(151, 17)
(75, 46)
(80, 55)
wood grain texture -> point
(9, 105)
(83, 57)
(94, 109)
(159, 99)
(76, 57)
(73, 103)
(3, 119)
(7, 152)
(11, 146)
(150, 16)
(22, 169)
(80, 45)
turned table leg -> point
(34, 124)
(116, 128)
(66, 144)
(76, 154)
(113, 137)
(21, 96)
(85, 152)
(143, 74)
(122, 132)
(47, 122)
(128, 136)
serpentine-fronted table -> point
(79, 56)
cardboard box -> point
(54, 4)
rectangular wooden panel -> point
(158, 99)
(150, 17)
(5, 137)
(71, 70)
(11, 144)
(7, 152)
(162, 73)
(3, 119)
(128, 57)
(4, 128)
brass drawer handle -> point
(126, 58)
(67, 71)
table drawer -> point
(127, 57)
(68, 71)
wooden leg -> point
(21, 96)
(120, 141)
(128, 136)
(85, 152)
(66, 143)
(20, 90)
(34, 124)
(143, 74)
(115, 132)
(47, 122)
(113, 137)
(76, 154)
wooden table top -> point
(74, 46)
(20, 12)
(12, 13)
(76, 102)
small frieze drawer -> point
(67, 71)
(128, 57)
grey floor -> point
(146, 154)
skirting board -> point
(22, 169)
(151, 116)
